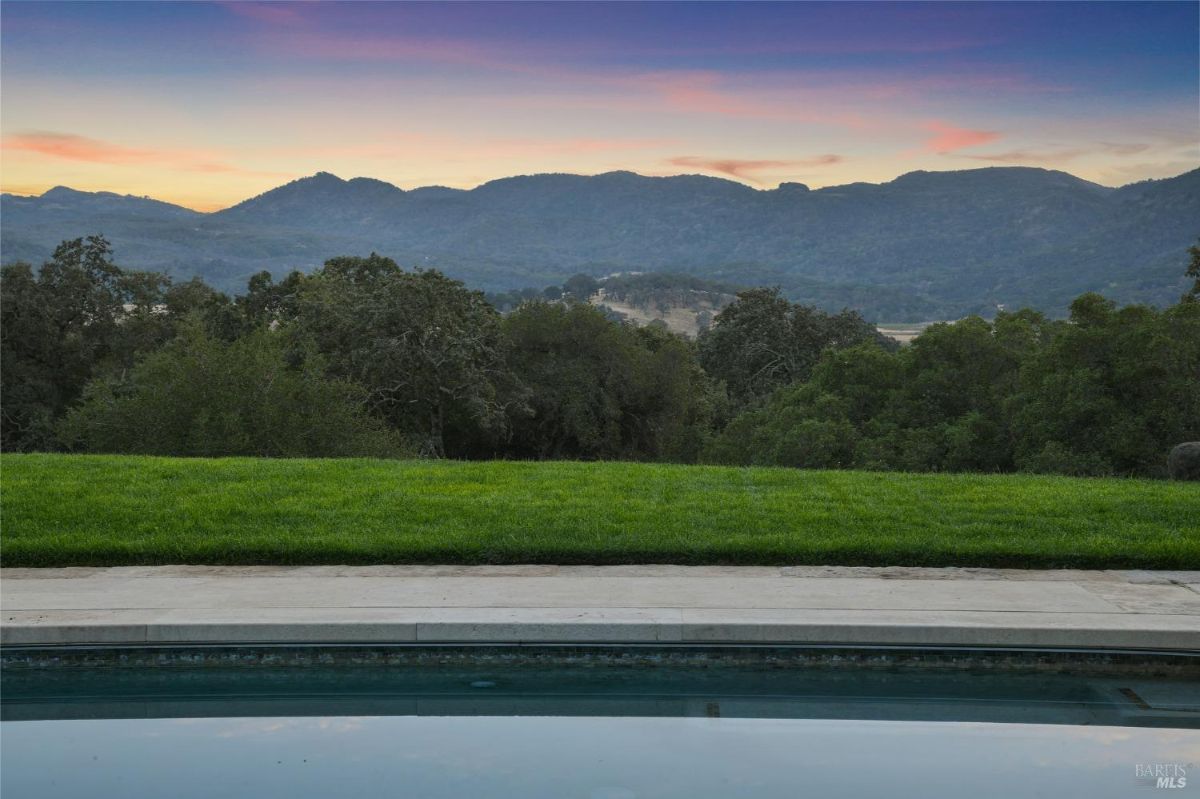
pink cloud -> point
(740, 168)
(703, 92)
(76, 148)
(71, 147)
(850, 99)
(822, 45)
(947, 138)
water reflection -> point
(484, 756)
(526, 733)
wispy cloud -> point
(847, 97)
(1117, 148)
(1059, 155)
(948, 138)
(858, 100)
(76, 148)
(1148, 171)
(1027, 156)
(743, 169)
(713, 93)
(814, 45)
(71, 147)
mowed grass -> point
(60, 510)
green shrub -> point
(199, 396)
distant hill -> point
(927, 245)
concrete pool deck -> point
(600, 604)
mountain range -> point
(927, 245)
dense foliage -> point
(1106, 392)
(762, 342)
(428, 351)
(202, 396)
(362, 357)
(600, 389)
(79, 317)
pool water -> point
(503, 727)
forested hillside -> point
(928, 245)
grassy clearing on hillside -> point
(63, 510)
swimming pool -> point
(593, 722)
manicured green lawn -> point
(63, 510)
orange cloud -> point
(70, 147)
(948, 138)
(739, 168)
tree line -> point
(363, 358)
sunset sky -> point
(206, 104)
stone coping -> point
(181, 605)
